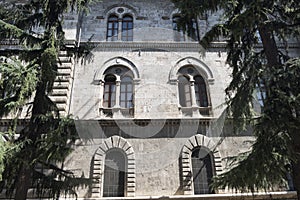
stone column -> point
(193, 95)
(117, 108)
(101, 83)
(118, 90)
(195, 107)
(120, 29)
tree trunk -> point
(23, 182)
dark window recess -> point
(114, 174)
(109, 94)
(202, 170)
(200, 92)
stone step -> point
(60, 99)
(61, 107)
(60, 85)
(64, 70)
(65, 59)
(62, 78)
(65, 66)
(59, 92)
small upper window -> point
(127, 28)
(116, 31)
(188, 32)
(112, 28)
(178, 32)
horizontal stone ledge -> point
(230, 196)
(235, 196)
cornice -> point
(166, 46)
(143, 46)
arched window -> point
(184, 92)
(123, 31)
(118, 92)
(114, 174)
(193, 92)
(126, 92)
(200, 92)
(202, 171)
(112, 28)
(127, 28)
(109, 96)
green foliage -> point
(3, 152)
(244, 25)
(27, 73)
(17, 84)
(46, 151)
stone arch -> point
(99, 75)
(127, 10)
(186, 165)
(203, 69)
(99, 159)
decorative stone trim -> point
(127, 9)
(186, 153)
(202, 68)
(99, 75)
(98, 166)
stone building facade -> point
(149, 95)
(148, 102)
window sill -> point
(196, 111)
(116, 112)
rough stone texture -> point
(155, 97)
(156, 139)
(157, 162)
(160, 152)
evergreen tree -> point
(27, 76)
(258, 33)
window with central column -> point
(119, 27)
(193, 91)
(118, 90)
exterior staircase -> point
(63, 83)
